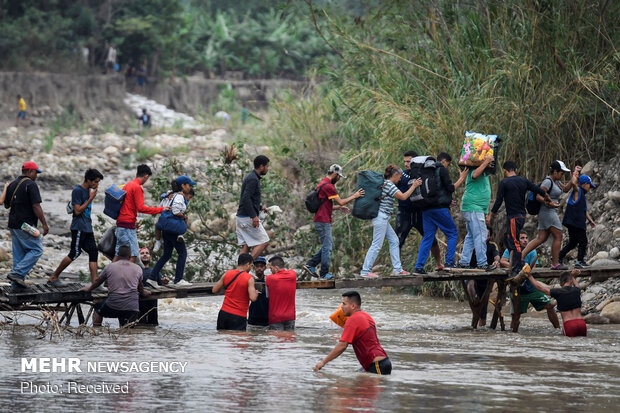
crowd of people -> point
(270, 300)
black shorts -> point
(81, 240)
(227, 321)
(381, 367)
(124, 316)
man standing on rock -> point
(82, 235)
(323, 220)
(251, 235)
(24, 201)
(126, 233)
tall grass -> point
(542, 75)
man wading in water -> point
(360, 331)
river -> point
(439, 364)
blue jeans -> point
(323, 257)
(26, 252)
(171, 242)
(129, 237)
(433, 219)
(476, 239)
(382, 230)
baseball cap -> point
(28, 166)
(585, 179)
(335, 168)
(260, 260)
(559, 166)
(184, 179)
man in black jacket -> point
(251, 235)
(437, 215)
(513, 189)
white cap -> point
(335, 168)
(557, 164)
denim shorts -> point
(126, 236)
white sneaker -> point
(153, 284)
(157, 245)
(182, 283)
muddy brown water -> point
(439, 364)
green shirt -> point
(477, 194)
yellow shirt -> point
(22, 104)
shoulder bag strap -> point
(233, 280)
(15, 191)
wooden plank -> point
(379, 282)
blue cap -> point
(261, 259)
(184, 179)
(585, 179)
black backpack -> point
(532, 205)
(425, 167)
(312, 200)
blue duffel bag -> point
(171, 223)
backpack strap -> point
(15, 191)
(318, 192)
(233, 280)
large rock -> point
(614, 252)
(617, 233)
(588, 169)
(614, 196)
(601, 255)
(604, 263)
(612, 312)
(4, 255)
(594, 318)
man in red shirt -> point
(360, 331)
(238, 287)
(282, 286)
(134, 202)
(323, 220)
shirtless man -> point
(569, 302)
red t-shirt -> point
(134, 203)
(324, 214)
(282, 287)
(360, 331)
(236, 296)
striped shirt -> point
(387, 198)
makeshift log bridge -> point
(68, 298)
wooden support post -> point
(69, 313)
(64, 315)
(90, 312)
(474, 310)
(516, 311)
(79, 313)
(497, 314)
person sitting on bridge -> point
(282, 285)
(239, 290)
(359, 330)
(258, 316)
(148, 308)
(526, 292)
(569, 301)
(125, 288)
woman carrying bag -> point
(172, 225)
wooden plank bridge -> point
(69, 299)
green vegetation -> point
(542, 75)
(176, 37)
